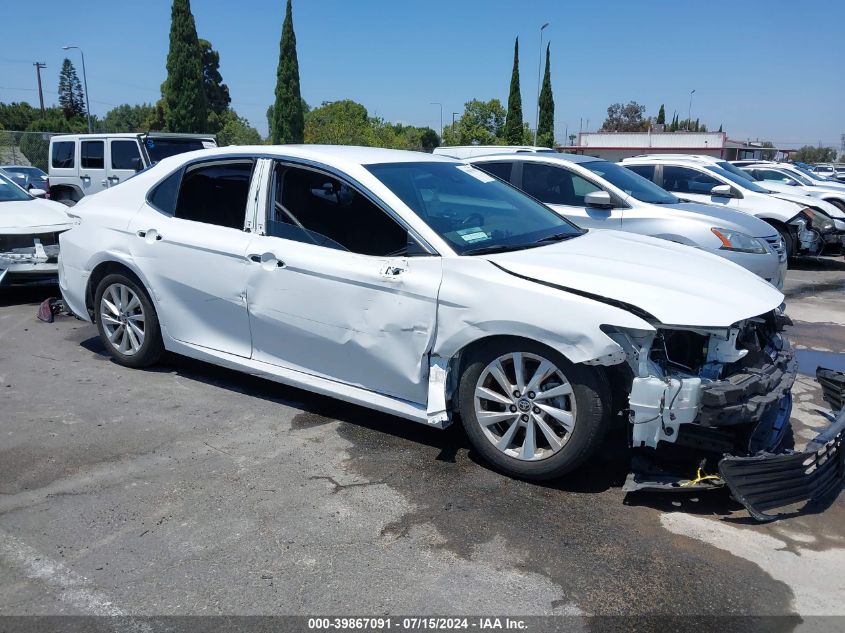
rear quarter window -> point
(63, 155)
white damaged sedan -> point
(420, 286)
(29, 235)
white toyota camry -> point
(423, 287)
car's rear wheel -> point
(127, 321)
(530, 412)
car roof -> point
(341, 156)
(536, 157)
(691, 158)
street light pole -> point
(441, 117)
(539, 75)
(689, 112)
(85, 83)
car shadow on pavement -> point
(817, 263)
(23, 295)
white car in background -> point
(785, 179)
(806, 224)
(424, 287)
(29, 235)
(462, 152)
(597, 194)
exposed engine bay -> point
(700, 401)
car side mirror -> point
(37, 193)
(722, 191)
(598, 199)
(137, 164)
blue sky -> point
(769, 69)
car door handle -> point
(105, 182)
(155, 234)
(267, 258)
(391, 271)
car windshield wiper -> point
(557, 237)
(495, 248)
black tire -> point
(787, 241)
(152, 346)
(592, 399)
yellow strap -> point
(699, 477)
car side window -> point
(646, 171)
(125, 155)
(686, 180)
(555, 185)
(63, 152)
(776, 176)
(499, 170)
(93, 154)
(215, 193)
(315, 208)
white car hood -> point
(676, 284)
(33, 216)
(724, 217)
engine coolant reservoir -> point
(660, 406)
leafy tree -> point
(18, 115)
(236, 130)
(661, 115)
(514, 133)
(288, 124)
(339, 123)
(546, 122)
(720, 127)
(572, 138)
(128, 118)
(810, 154)
(625, 118)
(183, 92)
(217, 97)
(482, 122)
(71, 97)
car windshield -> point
(160, 148)
(32, 172)
(10, 192)
(471, 210)
(794, 173)
(735, 170)
(809, 174)
(742, 181)
(631, 183)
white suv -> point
(781, 177)
(806, 224)
(82, 164)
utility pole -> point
(38, 67)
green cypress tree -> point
(288, 117)
(661, 115)
(514, 130)
(546, 122)
(183, 91)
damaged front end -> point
(709, 408)
(29, 258)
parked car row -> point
(439, 290)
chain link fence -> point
(25, 148)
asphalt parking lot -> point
(189, 489)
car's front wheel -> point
(530, 412)
(127, 321)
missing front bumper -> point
(766, 482)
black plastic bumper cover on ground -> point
(766, 482)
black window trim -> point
(333, 173)
(618, 203)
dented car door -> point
(334, 289)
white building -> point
(615, 146)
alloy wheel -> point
(525, 406)
(122, 315)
